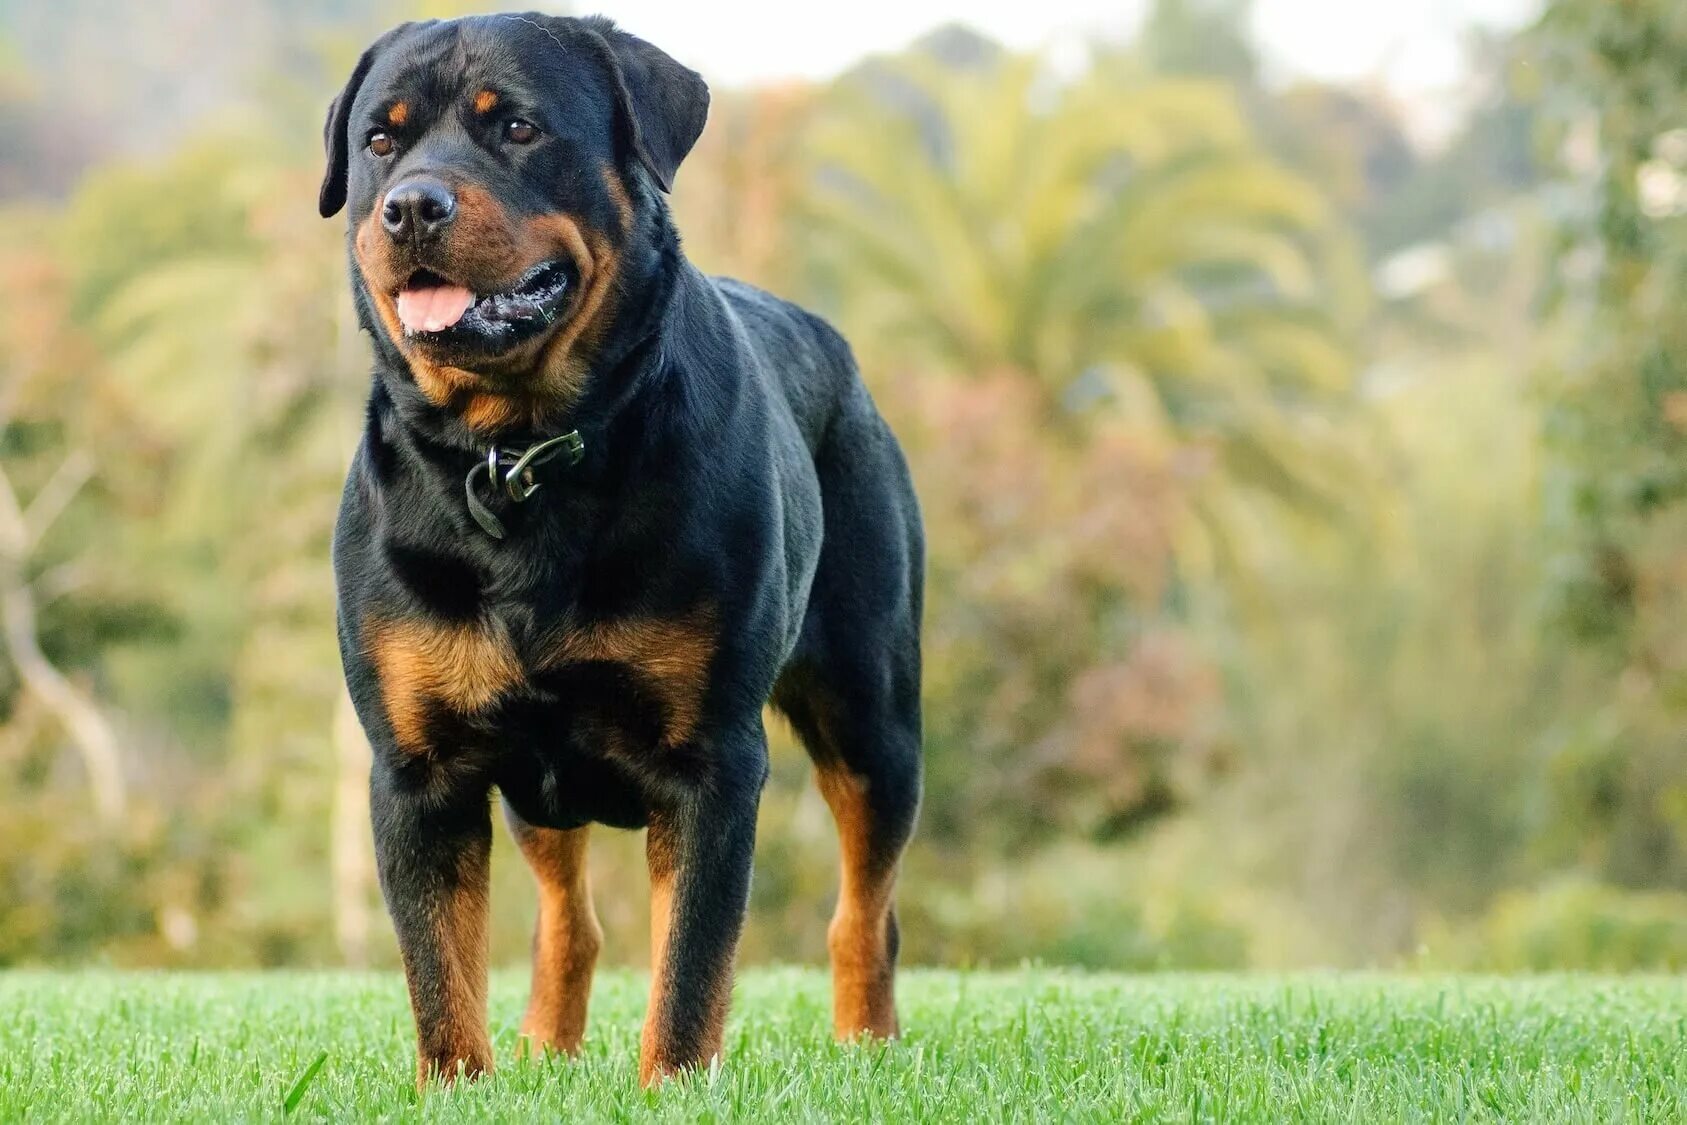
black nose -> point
(418, 209)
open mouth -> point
(438, 311)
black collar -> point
(512, 473)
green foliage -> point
(202, 328)
(988, 216)
(1271, 620)
(1206, 37)
(1113, 331)
(1618, 428)
(1574, 924)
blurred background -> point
(1296, 391)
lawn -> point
(978, 1047)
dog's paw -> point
(448, 1071)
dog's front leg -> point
(699, 850)
(434, 851)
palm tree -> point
(1119, 238)
(1132, 322)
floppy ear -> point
(332, 197)
(661, 104)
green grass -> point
(979, 1047)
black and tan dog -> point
(604, 509)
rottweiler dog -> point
(604, 509)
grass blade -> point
(291, 1101)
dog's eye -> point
(382, 144)
(519, 132)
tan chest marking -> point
(672, 656)
(420, 663)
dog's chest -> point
(636, 677)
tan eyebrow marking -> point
(399, 113)
(484, 101)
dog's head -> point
(494, 167)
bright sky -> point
(1414, 44)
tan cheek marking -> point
(399, 113)
(566, 357)
(484, 101)
(673, 655)
(483, 235)
(466, 667)
(484, 243)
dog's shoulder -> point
(808, 365)
(785, 328)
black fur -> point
(733, 461)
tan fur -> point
(661, 917)
(489, 413)
(398, 114)
(461, 1047)
(656, 1055)
(566, 940)
(858, 939)
(484, 240)
(566, 356)
(674, 656)
(463, 666)
(617, 189)
(439, 382)
(484, 101)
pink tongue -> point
(433, 310)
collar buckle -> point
(513, 473)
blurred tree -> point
(1404, 700)
(1122, 241)
(1348, 141)
(45, 439)
(1208, 38)
(743, 180)
(76, 845)
(1492, 159)
(1618, 494)
(1129, 326)
(208, 303)
(1116, 331)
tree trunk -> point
(88, 729)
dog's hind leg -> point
(566, 938)
(874, 802)
(852, 691)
